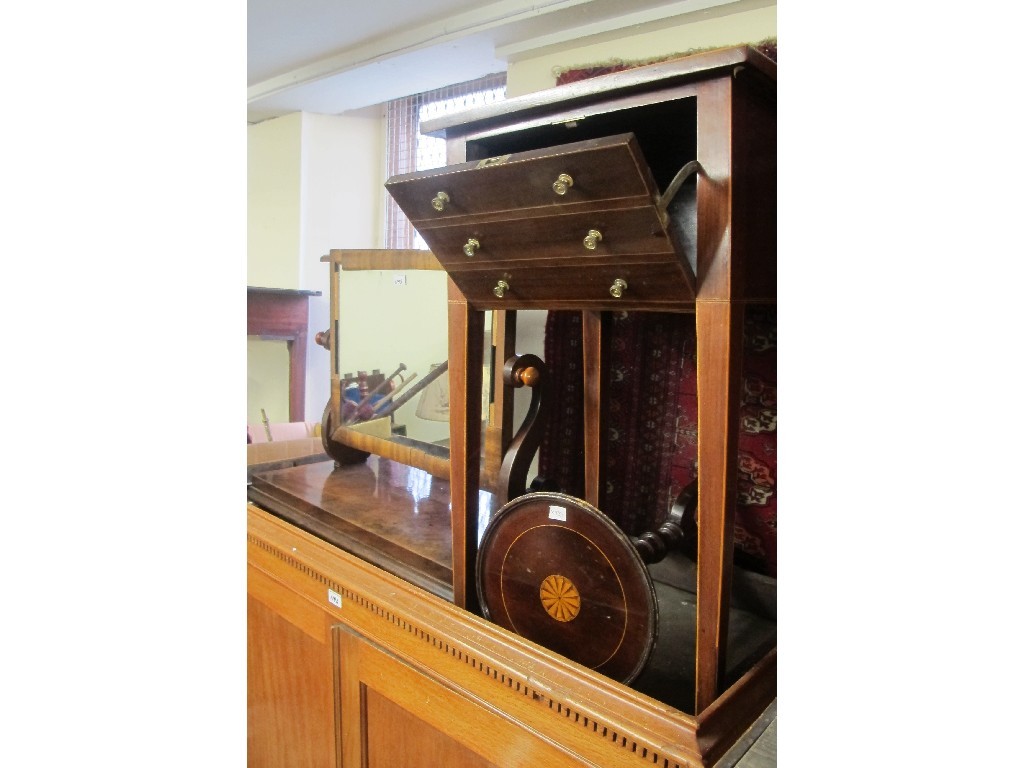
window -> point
(408, 150)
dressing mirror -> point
(388, 342)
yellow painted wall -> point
(343, 193)
(267, 380)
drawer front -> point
(572, 174)
(641, 285)
(567, 240)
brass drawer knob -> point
(470, 247)
(500, 288)
(618, 286)
(439, 201)
(592, 239)
(562, 183)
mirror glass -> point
(393, 328)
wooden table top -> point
(392, 515)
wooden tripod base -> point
(558, 571)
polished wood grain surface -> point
(719, 345)
(553, 239)
(465, 356)
(754, 181)
(598, 169)
(392, 514)
(394, 736)
(291, 719)
(353, 259)
(503, 697)
(396, 715)
(423, 456)
(514, 243)
(651, 286)
(556, 570)
(593, 354)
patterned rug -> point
(649, 411)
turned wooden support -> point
(678, 529)
(341, 453)
(523, 371)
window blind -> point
(408, 150)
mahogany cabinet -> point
(352, 666)
(552, 228)
(647, 189)
(291, 717)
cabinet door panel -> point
(395, 737)
(393, 714)
(290, 692)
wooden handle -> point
(528, 377)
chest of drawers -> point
(674, 165)
(575, 226)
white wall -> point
(315, 183)
(274, 222)
(342, 193)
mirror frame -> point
(340, 439)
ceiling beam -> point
(409, 40)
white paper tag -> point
(556, 513)
(333, 598)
